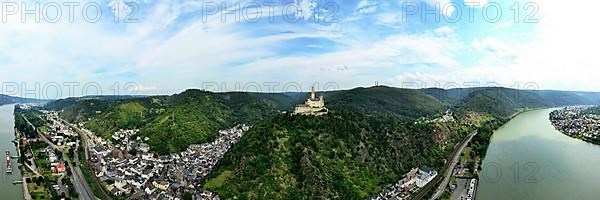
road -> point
(42, 136)
(87, 142)
(62, 186)
(77, 178)
(82, 188)
(448, 173)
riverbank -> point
(7, 136)
(579, 122)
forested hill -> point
(386, 100)
(371, 137)
(6, 99)
(368, 140)
(194, 116)
(340, 155)
(504, 102)
(495, 101)
(172, 122)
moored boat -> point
(8, 162)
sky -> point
(164, 47)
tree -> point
(187, 196)
(38, 180)
(71, 152)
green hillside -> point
(6, 99)
(368, 140)
(194, 116)
(388, 100)
(340, 155)
(173, 122)
(495, 102)
(504, 102)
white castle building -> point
(312, 106)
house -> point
(120, 184)
(52, 157)
(161, 184)
(143, 147)
(148, 156)
(111, 171)
(59, 168)
(116, 191)
(425, 176)
(98, 150)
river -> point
(7, 121)
(529, 159)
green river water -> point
(7, 189)
(529, 159)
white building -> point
(425, 176)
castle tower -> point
(312, 106)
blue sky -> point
(178, 44)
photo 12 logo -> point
(452, 12)
(55, 90)
(71, 12)
(273, 11)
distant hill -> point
(6, 99)
(499, 102)
(386, 100)
(60, 104)
(503, 102)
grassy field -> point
(38, 191)
(218, 181)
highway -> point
(448, 173)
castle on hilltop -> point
(312, 105)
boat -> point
(8, 162)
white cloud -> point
(389, 19)
(476, 3)
(445, 6)
(307, 8)
(361, 60)
(561, 54)
(366, 7)
(496, 48)
(444, 31)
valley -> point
(371, 138)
